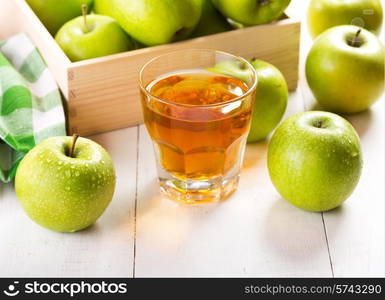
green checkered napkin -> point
(30, 104)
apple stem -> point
(84, 13)
(355, 42)
(319, 124)
(75, 138)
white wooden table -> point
(254, 233)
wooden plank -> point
(253, 233)
(104, 250)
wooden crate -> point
(102, 94)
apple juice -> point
(198, 122)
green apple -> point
(345, 69)
(153, 22)
(315, 160)
(270, 101)
(252, 12)
(99, 36)
(53, 13)
(271, 94)
(65, 184)
(211, 21)
(323, 14)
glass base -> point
(198, 191)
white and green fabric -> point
(31, 109)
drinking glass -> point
(197, 113)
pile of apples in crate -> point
(120, 25)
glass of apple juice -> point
(198, 117)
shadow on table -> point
(89, 230)
(361, 121)
(254, 154)
(294, 233)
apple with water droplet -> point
(92, 36)
(65, 183)
(315, 160)
(345, 69)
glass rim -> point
(249, 91)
